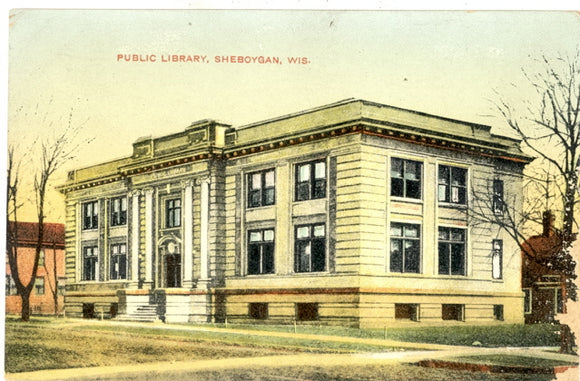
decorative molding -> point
(135, 192)
(168, 237)
(187, 183)
(201, 180)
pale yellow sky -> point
(445, 63)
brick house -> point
(353, 213)
(50, 268)
(544, 285)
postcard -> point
(292, 194)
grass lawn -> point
(516, 335)
(29, 348)
(48, 343)
(297, 344)
(40, 344)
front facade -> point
(353, 214)
(50, 278)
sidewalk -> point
(416, 352)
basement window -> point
(452, 312)
(498, 312)
(407, 312)
(88, 310)
(306, 311)
(258, 311)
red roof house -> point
(543, 278)
(50, 274)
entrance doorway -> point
(172, 264)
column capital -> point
(187, 183)
(148, 191)
(135, 192)
(201, 180)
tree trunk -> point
(569, 203)
(55, 294)
(55, 274)
(25, 311)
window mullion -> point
(262, 256)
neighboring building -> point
(50, 269)
(543, 283)
(353, 213)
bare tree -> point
(53, 154)
(53, 286)
(512, 213)
(550, 130)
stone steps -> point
(144, 313)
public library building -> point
(353, 213)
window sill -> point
(171, 229)
(310, 200)
(407, 199)
(260, 207)
(396, 273)
(446, 276)
(309, 273)
(452, 205)
(268, 275)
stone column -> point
(204, 231)
(135, 229)
(149, 231)
(187, 234)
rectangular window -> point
(306, 311)
(118, 211)
(405, 248)
(89, 311)
(527, 301)
(10, 286)
(406, 178)
(90, 262)
(113, 310)
(261, 251)
(407, 312)
(498, 312)
(452, 185)
(498, 203)
(452, 311)
(61, 285)
(258, 311)
(118, 261)
(261, 188)
(41, 258)
(310, 180)
(173, 213)
(497, 259)
(90, 215)
(39, 285)
(310, 248)
(451, 251)
(559, 301)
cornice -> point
(467, 145)
(476, 146)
